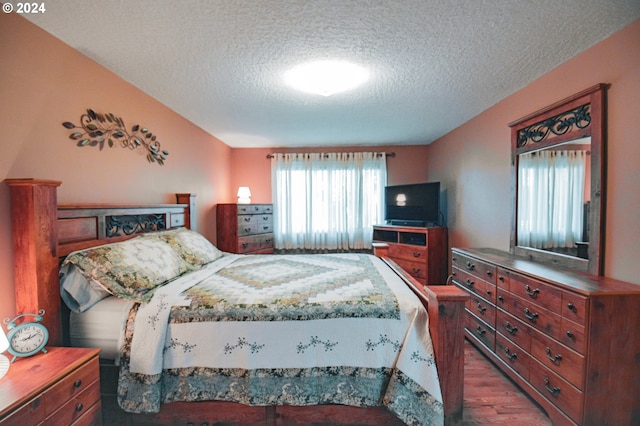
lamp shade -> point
(4, 343)
(4, 361)
(244, 195)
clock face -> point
(28, 339)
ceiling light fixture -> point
(326, 78)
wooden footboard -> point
(445, 304)
(43, 232)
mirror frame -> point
(578, 116)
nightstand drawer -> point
(72, 385)
(77, 406)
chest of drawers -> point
(570, 340)
(61, 387)
(245, 228)
(422, 252)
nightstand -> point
(59, 387)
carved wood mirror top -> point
(558, 181)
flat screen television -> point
(415, 204)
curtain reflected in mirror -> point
(553, 202)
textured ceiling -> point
(434, 63)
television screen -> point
(413, 205)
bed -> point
(365, 356)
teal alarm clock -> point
(27, 338)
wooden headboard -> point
(44, 232)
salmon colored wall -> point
(250, 167)
(43, 83)
(473, 161)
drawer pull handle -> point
(245, 245)
(570, 335)
(553, 359)
(416, 270)
(489, 292)
(552, 390)
(501, 278)
(500, 298)
(77, 383)
(489, 273)
(470, 283)
(480, 330)
(265, 217)
(571, 307)
(247, 219)
(530, 316)
(481, 309)
(416, 254)
(510, 329)
(510, 355)
(533, 294)
(79, 407)
(470, 266)
(247, 229)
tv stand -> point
(421, 251)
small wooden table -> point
(59, 387)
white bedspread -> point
(277, 330)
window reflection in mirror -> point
(554, 194)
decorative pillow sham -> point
(78, 293)
(193, 247)
(130, 269)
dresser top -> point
(581, 282)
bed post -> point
(35, 250)
(190, 200)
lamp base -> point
(4, 365)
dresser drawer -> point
(514, 329)
(572, 335)
(77, 406)
(408, 252)
(72, 385)
(574, 307)
(516, 357)
(557, 390)
(253, 243)
(530, 313)
(416, 269)
(557, 357)
(473, 266)
(536, 292)
(480, 330)
(254, 208)
(29, 414)
(482, 309)
(474, 285)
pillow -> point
(78, 293)
(193, 247)
(130, 269)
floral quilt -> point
(283, 329)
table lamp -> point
(4, 361)
(244, 195)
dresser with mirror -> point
(543, 312)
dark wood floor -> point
(490, 398)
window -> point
(327, 201)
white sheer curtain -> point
(551, 198)
(327, 201)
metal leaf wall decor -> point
(97, 129)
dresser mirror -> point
(558, 182)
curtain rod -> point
(388, 154)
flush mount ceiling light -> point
(326, 78)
